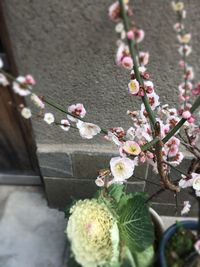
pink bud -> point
(30, 80)
(186, 114)
(127, 63)
(191, 119)
(130, 35)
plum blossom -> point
(37, 101)
(186, 114)
(144, 58)
(121, 168)
(185, 50)
(114, 11)
(65, 125)
(99, 182)
(133, 87)
(196, 183)
(113, 137)
(184, 39)
(77, 110)
(153, 100)
(1, 63)
(88, 130)
(21, 87)
(49, 118)
(186, 207)
(177, 6)
(30, 80)
(131, 148)
(3, 80)
(178, 27)
(119, 27)
(127, 62)
(197, 246)
(26, 113)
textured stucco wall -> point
(69, 46)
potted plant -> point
(115, 228)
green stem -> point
(68, 113)
(133, 52)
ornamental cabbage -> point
(89, 230)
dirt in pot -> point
(180, 250)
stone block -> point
(55, 164)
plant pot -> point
(158, 223)
(190, 225)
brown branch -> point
(159, 156)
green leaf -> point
(136, 225)
(114, 233)
(128, 260)
(144, 258)
(116, 191)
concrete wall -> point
(69, 47)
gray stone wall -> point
(69, 47)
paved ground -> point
(31, 234)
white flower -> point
(185, 50)
(119, 27)
(185, 181)
(177, 6)
(112, 137)
(26, 113)
(186, 207)
(121, 168)
(196, 181)
(1, 63)
(65, 125)
(133, 87)
(99, 182)
(88, 130)
(20, 86)
(37, 101)
(130, 134)
(3, 80)
(153, 100)
(49, 118)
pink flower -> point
(191, 119)
(114, 11)
(127, 62)
(132, 148)
(186, 114)
(144, 58)
(30, 80)
(197, 246)
(139, 35)
(173, 150)
(130, 35)
(77, 110)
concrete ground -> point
(31, 233)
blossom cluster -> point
(187, 88)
